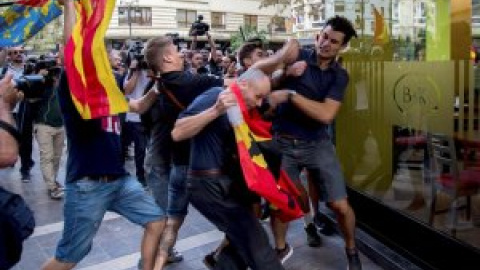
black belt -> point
(205, 173)
(104, 178)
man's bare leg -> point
(151, 237)
(346, 221)
(169, 237)
(54, 264)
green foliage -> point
(237, 39)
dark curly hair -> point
(342, 24)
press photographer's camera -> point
(33, 83)
(199, 28)
(135, 52)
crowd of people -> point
(178, 101)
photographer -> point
(23, 113)
(48, 126)
(135, 84)
(215, 60)
(8, 133)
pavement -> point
(117, 243)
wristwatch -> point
(291, 93)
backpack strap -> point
(169, 94)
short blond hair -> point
(154, 49)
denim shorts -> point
(158, 181)
(178, 197)
(320, 160)
(86, 202)
(168, 188)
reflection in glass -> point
(408, 80)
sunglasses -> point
(15, 52)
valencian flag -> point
(380, 36)
(250, 130)
(23, 19)
(90, 77)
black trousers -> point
(249, 245)
(24, 119)
(135, 132)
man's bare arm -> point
(285, 56)
(324, 112)
(190, 126)
(8, 143)
(141, 105)
(69, 19)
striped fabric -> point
(90, 76)
(249, 132)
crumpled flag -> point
(25, 18)
(90, 77)
(281, 193)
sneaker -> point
(324, 226)
(285, 253)
(55, 194)
(313, 239)
(174, 256)
(265, 212)
(26, 178)
(354, 262)
(209, 260)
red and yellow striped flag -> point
(381, 35)
(90, 77)
(250, 130)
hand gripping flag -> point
(25, 18)
(248, 128)
(90, 76)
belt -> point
(294, 140)
(104, 178)
(205, 173)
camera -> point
(33, 84)
(199, 28)
(135, 52)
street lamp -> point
(130, 5)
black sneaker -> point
(265, 212)
(325, 226)
(313, 239)
(55, 194)
(285, 253)
(354, 262)
(174, 256)
(26, 178)
(209, 260)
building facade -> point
(148, 18)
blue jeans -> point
(318, 157)
(87, 201)
(212, 197)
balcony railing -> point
(476, 21)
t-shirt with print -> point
(315, 84)
(208, 147)
(94, 147)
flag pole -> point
(4, 4)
